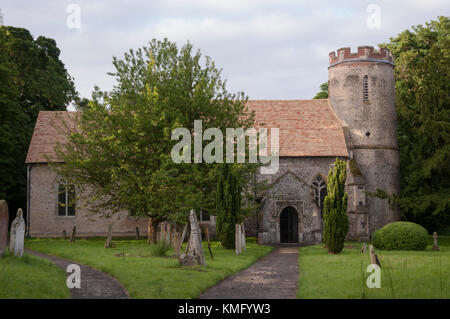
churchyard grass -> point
(147, 276)
(31, 277)
(404, 274)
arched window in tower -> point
(366, 89)
(320, 191)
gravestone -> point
(243, 237)
(372, 255)
(17, 237)
(4, 221)
(73, 234)
(195, 253)
(177, 243)
(363, 248)
(238, 239)
(64, 234)
(435, 244)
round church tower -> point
(361, 93)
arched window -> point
(366, 88)
(320, 191)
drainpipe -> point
(28, 198)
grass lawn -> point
(31, 277)
(404, 274)
(147, 276)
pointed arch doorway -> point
(289, 225)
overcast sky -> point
(268, 49)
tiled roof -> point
(49, 130)
(306, 128)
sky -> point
(267, 49)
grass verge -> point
(31, 277)
(404, 274)
(147, 276)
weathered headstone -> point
(373, 257)
(108, 242)
(4, 221)
(17, 238)
(373, 260)
(238, 239)
(435, 243)
(243, 237)
(195, 253)
(73, 234)
(177, 243)
(363, 248)
(64, 234)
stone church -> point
(356, 123)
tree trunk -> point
(152, 231)
(109, 237)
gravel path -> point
(94, 284)
(274, 276)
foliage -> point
(159, 249)
(354, 169)
(422, 85)
(400, 236)
(335, 218)
(228, 206)
(33, 79)
(163, 277)
(122, 146)
(323, 94)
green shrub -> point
(335, 220)
(159, 249)
(401, 236)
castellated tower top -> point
(364, 54)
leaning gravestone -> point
(17, 234)
(4, 220)
(195, 254)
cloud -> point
(269, 49)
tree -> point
(335, 218)
(323, 94)
(228, 206)
(32, 78)
(120, 154)
(422, 84)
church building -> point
(357, 123)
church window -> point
(366, 89)
(360, 196)
(320, 191)
(66, 200)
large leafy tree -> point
(422, 83)
(120, 155)
(32, 78)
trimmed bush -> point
(401, 236)
(335, 220)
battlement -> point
(364, 53)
